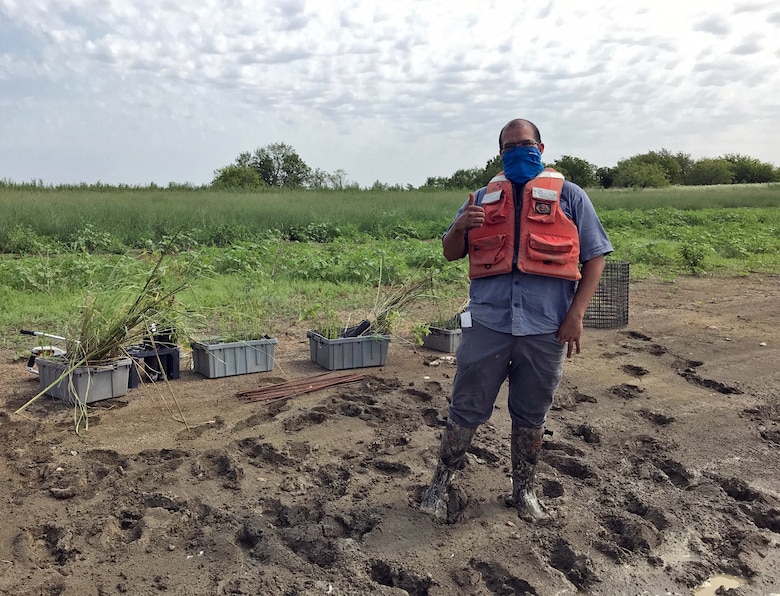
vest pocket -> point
(496, 212)
(486, 252)
(550, 248)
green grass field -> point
(300, 255)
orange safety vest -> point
(548, 241)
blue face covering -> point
(522, 163)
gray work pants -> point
(533, 363)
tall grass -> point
(138, 218)
(688, 197)
(221, 217)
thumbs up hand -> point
(473, 216)
(454, 241)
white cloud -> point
(144, 90)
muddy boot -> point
(526, 445)
(454, 443)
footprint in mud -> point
(264, 453)
(374, 414)
(194, 432)
(552, 489)
(569, 465)
(626, 391)
(108, 457)
(577, 568)
(418, 394)
(308, 532)
(568, 396)
(587, 433)
(218, 464)
(613, 355)
(350, 409)
(266, 415)
(656, 417)
(584, 398)
(630, 534)
(484, 455)
(158, 465)
(637, 335)
(690, 375)
(657, 350)
(761, 508)
(310, 544)
(676, 473)
(391, 468)
(773, 436)
(634, 371)
(156, 499)
(431, 417)
(333, 479)
(434, 386)
(82, 476)
(654, 515)
(498, 580)
(394, 576)
(359, 398)
(155, 457)
(305, 420)
(359, 522)
(567, 448)
(44, 545)
(251, 537)
(96, 465)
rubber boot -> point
(454, 443)
(526, 445)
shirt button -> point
(516, 305)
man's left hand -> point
(570, 333)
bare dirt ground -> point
(662, 470)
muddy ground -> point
(662, 470)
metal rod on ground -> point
(298, 386)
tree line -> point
(279, 166)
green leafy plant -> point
(419, 331)
(91, 239)
(693, 254)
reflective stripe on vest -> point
(548, 243)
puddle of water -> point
(709, 587)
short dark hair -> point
(519, 122)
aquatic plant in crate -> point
(337, 346)
(110, 318)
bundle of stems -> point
(123, 315)
(115, 317)
(452, 321)
(389, 306)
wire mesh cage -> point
(608, 308)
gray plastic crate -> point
(85, 384)
(214, 359)
(442, 340)
(348, 352)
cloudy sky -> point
(140, 91)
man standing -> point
(536, 253)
